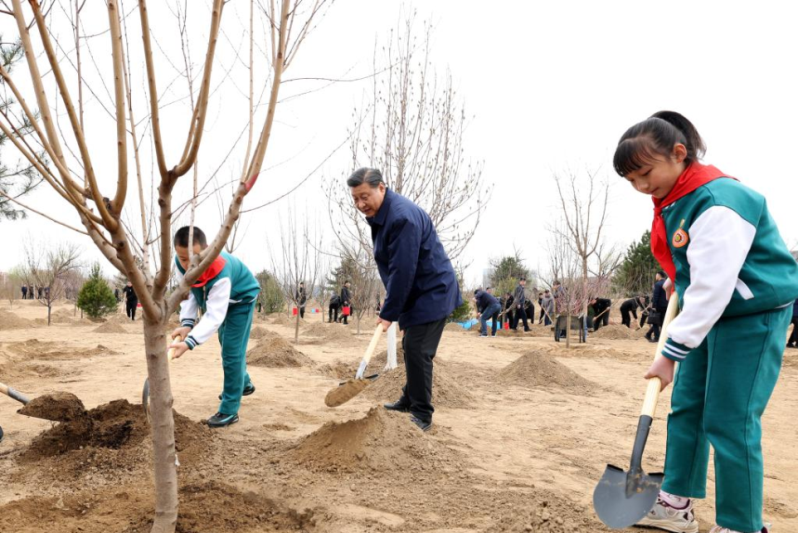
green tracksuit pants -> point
(720, 392)
(234, 336)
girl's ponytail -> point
(695, 144)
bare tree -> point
(102, 215)
(413, 130)
(366, 285)
(49, 267)
(297, 260)
(584, 200)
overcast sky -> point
(550, 85)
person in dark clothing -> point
(629, 309)
(420, 283)
(1, 428)
(131, 301)
(519, 303)
(659, 304)
(301, 298)
(646, 310)
(30, 292)
(487, 307)
(507, 306)
(793, 342)
(24, 292)
(335, 305)
(601, 312)
(346, 301)
(116, 294)
(529, 309)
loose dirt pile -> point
(615, 332)
(12, 321)
(107, 442)
(13, 371)
(277, 353)
(280, 319)
(380, 442)
(111, 328)
(68, 316)
(345, 370)
(453, 326)
(446, 392)
(206, 507)
(548, 516)
(50, 351)
(538, 369)
(261, 333)
(336, 334)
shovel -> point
(622, 499)
(145, 392)
(351, 388)
(56, 407)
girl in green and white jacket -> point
(736, 282)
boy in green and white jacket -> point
(736, 282)
(226, 292)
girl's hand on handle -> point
(661, 368)
(181, 332)
(179, 347)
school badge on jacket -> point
(680, 237)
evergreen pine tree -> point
(636, 273)
(96, 298)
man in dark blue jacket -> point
(420, 283)
(488, 306)
(659, 304)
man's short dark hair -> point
(372, 176)
(522, 279)
(181, 237)
(662, 274)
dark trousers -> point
(302, 312)
(626, 318)
(653, 333)
(603, 320)
(333, 309)
(420, 344)
(542, 315)
(794, 336)
(520, 313)
(130, 308)
(643, 318)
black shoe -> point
(220, 420)
(248, 389)
(398, 406)
(423, 426)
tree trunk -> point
(296, 326)
(358, 322)
(163, 427)
(49, 307)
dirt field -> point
(523, 431)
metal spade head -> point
(622, 499)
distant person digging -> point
(421, 286)
(226, 292)
(131, 301)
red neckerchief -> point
(211, 272)
(694, 176)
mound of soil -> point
(329, 332)
(64, 316)
(207, 507)
(380, 442)
(446, 392)
(547, 516)
(260, 333)
(615, 332)
(110, 327)
(277, 353)
(14, 371)
(281, 319)
(107, 442)
(540, 369)
(11, 321)
(453, 326)
(347, 370)
(44, 350)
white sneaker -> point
(668, 518)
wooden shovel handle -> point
(373, 344)
(654, 384)
(14, 394)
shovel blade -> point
(622, 499)
(347, 390)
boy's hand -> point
(179, 347)
(662, 368)
(181, 332)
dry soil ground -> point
(523, 430)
